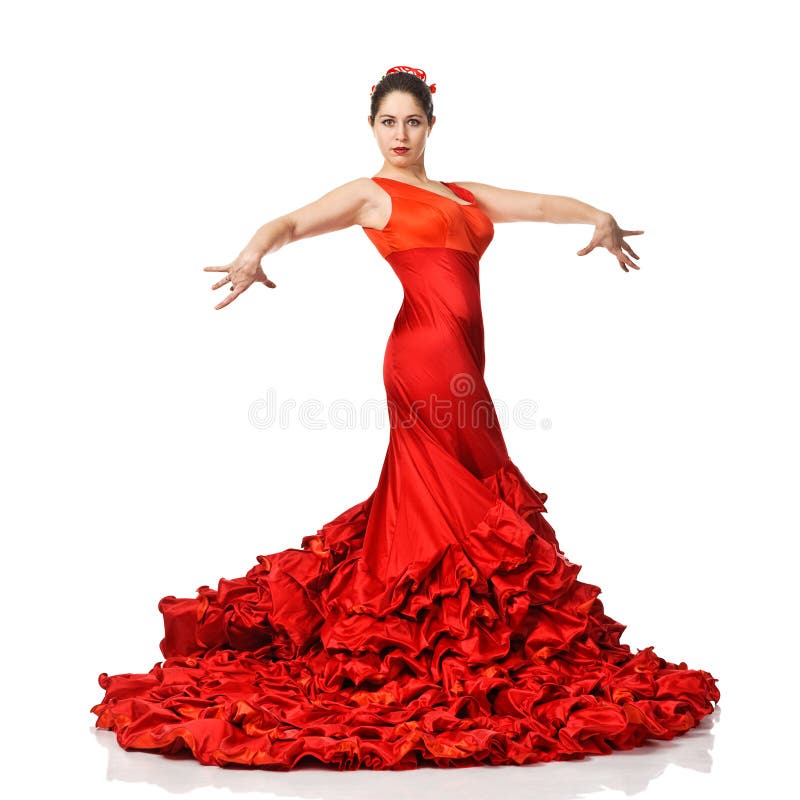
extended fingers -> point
(625, 244)
(629, 249)
(623, 259)
(222, 281)
(229, 299)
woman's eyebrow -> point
(408, 117)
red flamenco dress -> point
(436, 622)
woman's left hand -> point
(609, 235)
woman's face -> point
(401, 123)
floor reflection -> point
(629, 771)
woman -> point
(437, 620)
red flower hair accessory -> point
(413, 70)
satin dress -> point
(435, 622)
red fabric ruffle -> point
(493, 653)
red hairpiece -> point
(413, 70)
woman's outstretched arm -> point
(512, 205)
(349, 204)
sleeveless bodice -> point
(421, 218)
(433, 244)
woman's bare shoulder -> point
(359, 191)
(356, 202)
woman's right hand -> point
(243, 271)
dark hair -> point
(402, 82)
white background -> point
(143, 141)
